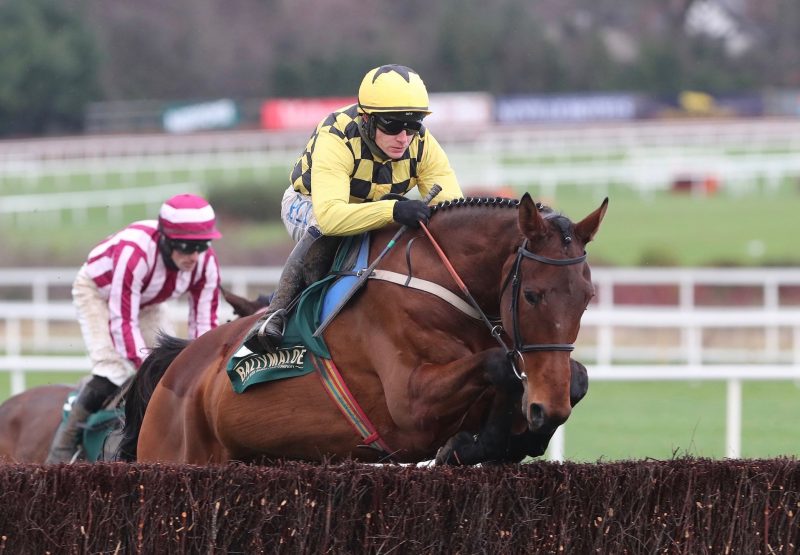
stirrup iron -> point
(262, 328)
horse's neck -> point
(478, 249)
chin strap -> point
(166, 252)
(366, 128)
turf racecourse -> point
(629, 420)
(692, 506)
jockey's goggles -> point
(392, 126)
(189, 247)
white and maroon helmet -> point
(188, 217)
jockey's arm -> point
(330, 192)
(123, 309)
(204, 298)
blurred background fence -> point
(702, 156)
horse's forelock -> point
(563, 224)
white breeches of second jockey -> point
(297, 213)
(92, 311)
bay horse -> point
(28, 420)
(429, 379)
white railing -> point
(778, 323)
(83, 200)
(647, 155)
(777, 326)
(733, 375)
(643, 171)
(741, 134)
(51, 205)
(90, 147)
(244, 279)
(229, 165)
(690, 348)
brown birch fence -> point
(679, 506)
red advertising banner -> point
(299, 113)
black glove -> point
(409, 212)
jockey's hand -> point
(410, 212)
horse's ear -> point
(531, 223)
(587, 227)
(241, 306)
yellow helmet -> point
(392, 88)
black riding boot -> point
(68, 436)
(308, 262)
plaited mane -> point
(499, 202)
(560, 221)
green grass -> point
(144, 177)
(682, 230)
(637, 420)
(667, 229)
(35, 379)
(67, 241)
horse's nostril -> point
(536, 416)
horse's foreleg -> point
(534, 444)
(492, 441)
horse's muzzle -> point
(539, 418)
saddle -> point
(102, 431)
(294, 357)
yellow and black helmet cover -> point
(392, 88)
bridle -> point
(513, 277)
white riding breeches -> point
(297, 213)
(93, 316)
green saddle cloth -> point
(96, 429)
(292, 358)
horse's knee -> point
(578, 383)
(467, 449)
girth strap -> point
(337, 390)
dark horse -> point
(28, 420)
(431, 380)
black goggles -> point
(396, 126)
(189, 247)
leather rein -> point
(513, 277)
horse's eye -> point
(531, 297)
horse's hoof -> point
(448, 453)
